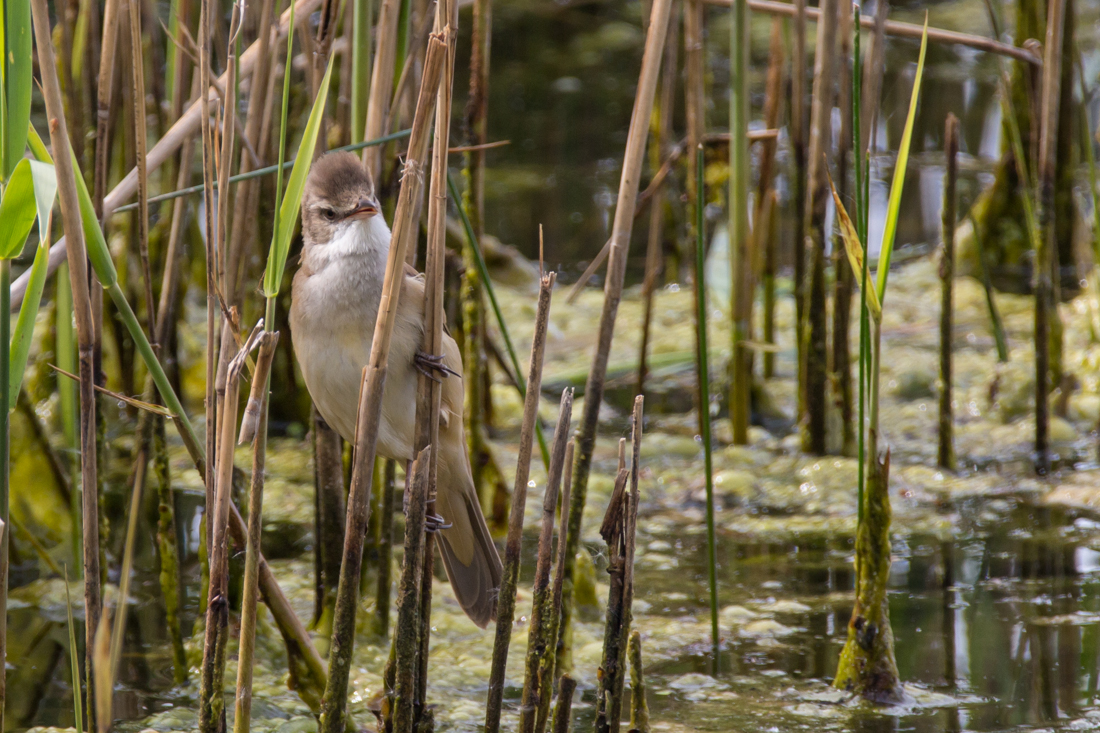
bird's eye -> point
(328, 214)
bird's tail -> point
(469, 555)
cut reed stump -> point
(639, 710)
(564, 710)
(506, 601)
(618, 530)
(542, 634)
(946, 452)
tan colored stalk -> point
(141, 145)
(334, 703)
(243, 709)
(661, 134)
(104, 95)
(814, 338)
(82, 311)
(899, 29)
(381, 85)
(613, 288)
(506, 601)
(430, 391)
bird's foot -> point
(428, 364)
(434, 523)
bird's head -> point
(339, 193)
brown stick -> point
(243, 709)
(840, 349)
(406, 632)
(946, 453)
(78, 276)
(1048, 160)
(334, 703)
(541, 634)
(902, 30)
(562, 713)
(613, 289)
(798, 148)
(766, 244)
(506, 601)
(104, 95)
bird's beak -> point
(364, 210)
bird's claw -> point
(435, 523)
(428, 364)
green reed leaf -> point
(18, 81)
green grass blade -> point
(17, 211)
(893, 209)
(18, 81)
(74, 659)
(292, 198)
(24, 326)
(483, 273)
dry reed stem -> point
(542, 632)
(334, 703)
(243, 708)
(639, 710)
(765, 245)
(873, 70)
(141, 145)
(616, 274)
(506, 600)
(563, 712)
(840, 348)
(946, 452)
(903, 30)
(1047, 245)
(430, 390)
(166, 146)
(104, 96)
(546, 671)
(406, 632)
(381, 85)
(82, 311)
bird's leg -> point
(435, 523)
(426, 364)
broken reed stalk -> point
(702, 397)
(506, 600)
(334, 703)
(946, 453)
(814, 335)
(639, 710)
(660, 134)
(550, 664)
(765, 245)
(618, 530)
(613, 287)
(563, 712)
(542, 633)
(406, 632)
(82, 310)
(257, 403)
(740, 245)
(385, 551)
(211, 696)
(1047, 242)
(381, 85)
(430, 391)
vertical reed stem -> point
(639, 710)
(613, 287)
(946, 453)
(506, 603)
(554, 627)
(741, 283)
(5, 469)
(78, 276)
(406, 632)
(563, 712)
(766, 246)
(385, 552)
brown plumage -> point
(334, 305)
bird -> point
(334, 304)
